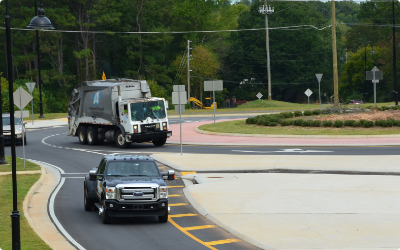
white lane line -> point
(48, 164)
(73, 177)
(54, 217)
(295, 150)
(75, 173)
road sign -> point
(31, 86)
(179, 98)
(21, 98)
(319, 77)
(179, 88)
(259, 95)
(374, 74)
(179, 108)
(218, 85)
(308, 92)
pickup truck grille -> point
(137, 193)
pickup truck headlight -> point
(163, 192)
(18, 129)
(110, 192)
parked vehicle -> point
(117, 110)
(127, 186)
(20, 132)
(356, 102)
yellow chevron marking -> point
(219, 242)
(174, 195)
(199, 227)
(185, 173)
(181, 215)
(177, 204)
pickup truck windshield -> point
(132, 168)
(6, 121)
(141, 110)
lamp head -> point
(372, 51)
(40, 22)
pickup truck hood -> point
(113, 181)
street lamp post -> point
(15, 216)
(394, 60)
(365, 66)
(40, 22)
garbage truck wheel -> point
(120, 140)
(82, 135)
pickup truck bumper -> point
(136, 209)
(148, 136)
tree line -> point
(147, 39)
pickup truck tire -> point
(104, 216)
(163, 218)
(120, 140)
(159, 141)
(87, 202)
(82, 135)
(92, 136)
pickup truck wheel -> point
(92, 136)
(163, 218)
(159, 141)
(104, 216)
(120, 140)
(87, 202)
(82, 135)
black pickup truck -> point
(127, 186)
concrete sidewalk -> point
(297, 211)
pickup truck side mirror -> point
(93, 176)
(170, 175)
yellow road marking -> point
(176, 186)
(161, 167)
(185, 173)
(177, 204)
(174, 195)
(219, 242)
(199, 227)
(181, 215)
(190, 235)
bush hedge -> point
(307, 113)
(327, 123)
(338, 124)
(298, 122)
(368, 124)
(298, 113)
(349, 123)
(316, 123)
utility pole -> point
(335, 71)
(188, 70)
(266, 10)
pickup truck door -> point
(99, 180)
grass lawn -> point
(29, 239)
(240, 127)
(20, 165)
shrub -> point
(396, 123)
(390, 123)
(298, 113)
(349, 123)
(357, 124)
(286, 114)
(338, 124)
(327, 123)
(383, 108)
(368, 124)
(370, 107)
(286, 122)
(260, 121)
(379, 123)
(362, 121)
(272, 124)
(316, 123)
(306, 123)
(298, 122)
(316, 112)
(307, 113)
(251, 120)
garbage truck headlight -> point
(163, 192)
(135, 128)
(164, 124)
(110, 193)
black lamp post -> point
(40, 22)
(365, 66)
(15, 216)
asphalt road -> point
(53, 146)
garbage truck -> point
(117, 110)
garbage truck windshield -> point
(141, 110)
